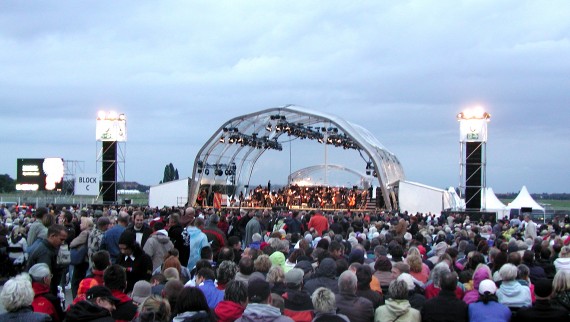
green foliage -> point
(7, 184)
(170, 173)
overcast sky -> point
(401, 69)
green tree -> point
(170, 173)
(7, 184)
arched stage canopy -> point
(313, 176)
(233, 150)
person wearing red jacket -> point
(234, 303)
(319, 223)
(44, 301)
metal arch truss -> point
(237, 144)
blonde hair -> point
(262, 264)
(155, 309)
(415, 263)
(87, 221)
(275, 274)
(561, 282)
(565, 252)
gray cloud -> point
(178, 70)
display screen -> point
(40, 174)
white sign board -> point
(473, 130)
(111, 130)
(87, 184)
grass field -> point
(556, 205)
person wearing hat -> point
(97, 307)
(141, 292)
(136, 262)
(44, 301)
(259, 307)
(487, 307)
(298, 305)
(542, 309)
(415, 293)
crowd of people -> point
(200, 264)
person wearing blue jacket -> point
(487, 308)
(111, 237)
(196, 240)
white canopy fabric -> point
(524, 200)
(493, 204)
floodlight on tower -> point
(473, 139)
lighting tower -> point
(111, 129)
(473, 157)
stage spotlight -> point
(268, 127)
(199, 170)
(207, 172)
(225, 129)
(223, 139)
(320, 140)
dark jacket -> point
(85, 311)
(562, 300)
(146, 231)
(46, 253)
(294, 225)
(375, 297)
(330, 317)
(444, 307)
(24, 314)
(110, 242)
(298, 305)
(139, 269)
(126, 310)
(356, 308)
(542, 310)
(175, 234)
(324, 276)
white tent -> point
(455, 202)
(493, 204)
(524, 200)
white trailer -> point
(415, 197)
(169, 194)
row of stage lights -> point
(218, 169)
(233, 136)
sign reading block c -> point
(87, 185)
